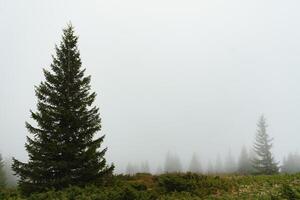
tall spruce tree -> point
(263, 161)
(63, 149)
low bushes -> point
(178, 186)
(195, 184)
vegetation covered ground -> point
(179, 186)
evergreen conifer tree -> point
(145, 167)
(210, 168)
(172, 163)
(219, 165)
(131, 169)
(230, 165)
(10, 178)
(244, 163)
(195, 165)
(63, 149)
(263, 161)
(291, 163)
(159, 170)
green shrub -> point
(9, 194)
(178, 186)
(178, 182)
(289, 193)
(195, 184)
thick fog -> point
(184, 77)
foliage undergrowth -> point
(178, 186)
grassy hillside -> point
(177, 187)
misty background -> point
(171, 76)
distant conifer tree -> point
(219, 165)
(263, 161)
(244, 163)
(230, 165)
(131, 169)
(210, 168)
(159, 170)
(195, 165)
(172, 163)
(145, 167)
(291, 163)
(63, 149)
(11, 179)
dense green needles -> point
(62, 147)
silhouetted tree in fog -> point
(63, 150)
(244, 162)
(210, 168)
(145, 167)
(195, 165)
(172, 163)
(291, 164)
(159, 170)
(11, 179)
(131, 169)
(230, 165)
(219, 165)
(264, 161)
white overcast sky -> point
(185, 76)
